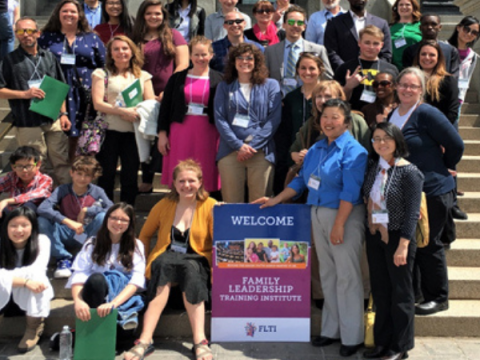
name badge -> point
(400, 43)
(179, 248)
(34, 83)
(463, 83)
(241, 120)
(368, 96)
(195, 109)
(132, 93)
(67, 59)
(380, 217)
(314, 182)
(289, 82)
(80, 238)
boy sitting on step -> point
(73, 213)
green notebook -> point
(133, 95)
(96, 339)
(55, 94)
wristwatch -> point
(62, 113)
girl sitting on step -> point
(24, 286)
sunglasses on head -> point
(467, 30)
(292, 22)
(25, 31)
(231, 22)
(383, 83)
(264, 11)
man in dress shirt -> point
(93, 12)
(282, 57)
(341, 34)
(214, 29)
(234, 24)
(318, 20)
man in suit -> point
(341, 34)
(430, 26)
(281, 58)
(318, 20)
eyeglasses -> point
(292, 22)
(383, 83)
(378, 139)
(231, 22)
(405, 86)
(467, 30)
(28, 167)
(113, 3)
(264, 11)
(121, 220)
(245, 58)
(26, 31)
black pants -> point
(95, 290)
(392, 292)
(119, 145)
(430, 261)
(12, 309)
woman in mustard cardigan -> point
(182, 254)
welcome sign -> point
(261, 273)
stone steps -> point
(464, 252)
(469, 229)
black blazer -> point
(174, 107)
(341, 39)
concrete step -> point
(470, 202)
(472, 147)
(464, 283)
(468, 181)
(471, 108)
(464, 253)
(469, 164)
(472, 96)
(469, 120)
(469, 229)
(469, 133)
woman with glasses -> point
(247, 114)
(116, 20)
(69, 37)
(434, 146)
(405, 30)
(265, 31)
(110, 270)
(187, 17)
(183, 221)
(386, 100)
(392, 190)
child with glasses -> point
(26, 185)
(73, 213)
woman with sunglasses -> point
(187, 17)
(116, 20)
(464, 36)
(405, 30)
(265, 31)
(385, 102)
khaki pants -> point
(257, 171)
(52, 144)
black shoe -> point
(376, 352)
(323, 341)
(319, 303)
(431, 307)
(459, 214)
(348, 350)
(397, 356)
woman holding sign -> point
(123, 68)
(333, 171)
(182, 254)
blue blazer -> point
(341, 39)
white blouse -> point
(83, 265)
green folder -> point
(95, 339)
(55, 94)
(133, 95)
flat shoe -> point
(375, 353)
(320, 341)
(348, 350)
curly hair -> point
(54, 24)
(260, 71)
(136, 62)
(164, 32)
(188, 165)
(88, 165)
(416, 14)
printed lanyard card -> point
(380, 216)
(241, 120)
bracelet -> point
(26, 281)
(62, 113)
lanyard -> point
(203, 93)
(172, 234)
(65, 45)
(113, 31)
(35, 67)
(84, 198)
(236, 98)
(322, 159)
(384, 191)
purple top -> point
(463, 53)
(157, 64)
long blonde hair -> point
(136, 62)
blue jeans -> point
(61, 235)
(6, 35)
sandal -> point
(202, 345)
(148, 349)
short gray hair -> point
(420, 75)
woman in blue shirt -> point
(247, 114)
(333, 171)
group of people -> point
(360, 117)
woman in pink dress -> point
(186, 126)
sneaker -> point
(63, 270)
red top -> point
(106, 31)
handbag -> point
(369, 319)
(93, 131)
(422, 233)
